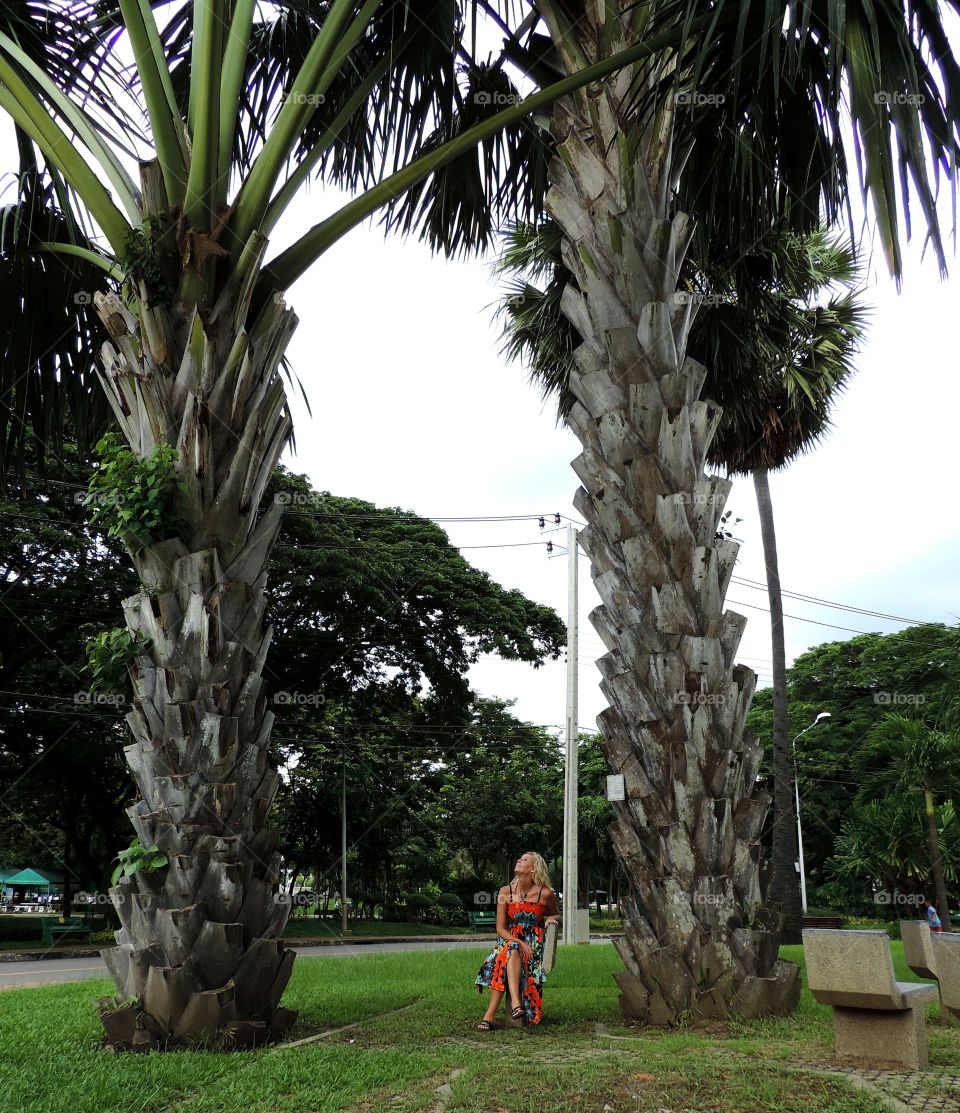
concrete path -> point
(51, 971)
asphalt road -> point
(18, 975)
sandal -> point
(486, 1026)
(518, 1013)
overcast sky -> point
(413, 406)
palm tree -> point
(778, 77)
(905, 756)
(778, 360)
(196, 329)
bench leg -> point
(897, 1038)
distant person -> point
(524, 908)
(932, 918)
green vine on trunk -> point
(138, 859)
(130, 495)
(151, 258)
(108, 656)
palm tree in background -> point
(196, 327)
(904, 757)
(780, 351)
(788, 83)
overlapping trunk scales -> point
(200, 943)
(688, 831)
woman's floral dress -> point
(524, 921)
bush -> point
(417, 904)
(19, 929)
(102, 937)
(449, 900)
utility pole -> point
(570, 880)
(343, 842)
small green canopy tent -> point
(36, 880)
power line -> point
(757, 585)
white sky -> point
(414, 407)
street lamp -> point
(796, 788)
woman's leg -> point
(514, 966)
(496, 996)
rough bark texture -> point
(694, 941)
(785, 884)
(936, 860)
(200, 943)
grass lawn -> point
(583, 1058)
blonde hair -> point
(540, 874)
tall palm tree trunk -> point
(785, 884)
(200, 943)
(688, 832)
(936, 860)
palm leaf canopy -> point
(776, 348)
(793, 83)
(905, 755)
(242, 107)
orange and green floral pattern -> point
(524, 921)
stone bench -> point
(946, 957)
(934, 955)
(876, 1019)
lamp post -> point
(796, 788)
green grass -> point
(584, 1056)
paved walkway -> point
(51, 971)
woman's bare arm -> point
(502, 899)
(552, 909)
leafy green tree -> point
(502, 792)
(904, 757)
(855, 681)
(883, 847)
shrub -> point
(417, 905)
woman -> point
(524, 908)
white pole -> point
(803, 878)
(343, 847)
(570, 770)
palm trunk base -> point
(163, 1007)
(666, 993)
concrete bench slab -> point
(946, 956)
(876, 1019)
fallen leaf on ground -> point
(641, 1077)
